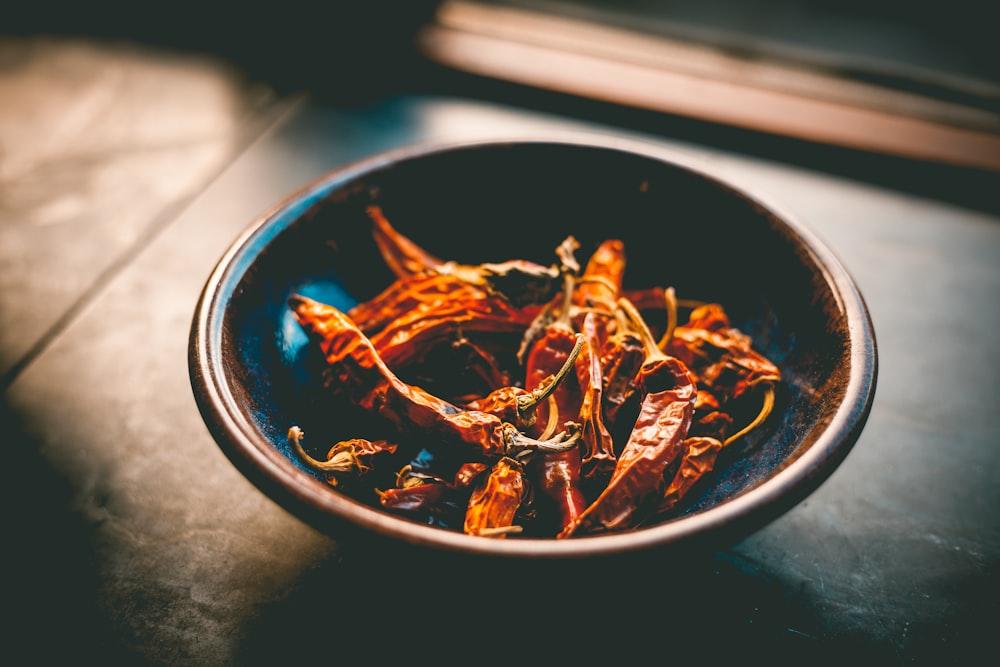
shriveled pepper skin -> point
(598, 456)
(357, 371)
(599, 287)
(621, 358)
(401, 255)
(698, 459)
(657, 439)
(494, 504)
(435, 501)
(518, 281)
(424, 305)
(557, 476)
(721, 356)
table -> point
(126, 171)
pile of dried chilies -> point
(600, 425)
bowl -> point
(255, 373)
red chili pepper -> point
(423, 295)
(726, 369)
(601, 282)
(346, 458)
(598, 455)
(454, 318)
(599, 287)
(699, 457)
(496, 500)
(702, 450)
(557, 475)
(519, 281)
(521, 407)
(551, 344)
(636, 486)
(357, 371)
(432, 499)
(401, 255)
(721, 357)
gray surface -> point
(132, 537)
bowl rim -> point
(314, 502)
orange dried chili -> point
(356, 369)
(494, 503)
(668, 391)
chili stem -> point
(528, 402)
(653, 351)
(765, 410)
(519, 445)
(500, 530)
(343, 460)
(671, 305)
(553, 422)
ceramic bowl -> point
(254, 372)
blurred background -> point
(824, 82)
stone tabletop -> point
(126, 172)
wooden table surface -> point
(126, 171)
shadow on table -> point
(398, 607)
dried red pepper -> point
(598, 447)
(357, 371)
(668, 391)
(721, 356)
(727, 369)
(600, 285)
(347, 457)
(557, 476)
(700, 453)
(432, 499)
(495, 502)
(519, 281)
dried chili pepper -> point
(598, 447)
(557, 476)
(668, 392)
(721, 356)
(432, 499)
(420, 290)
(549, 345)
(412, 333)
(495, 502)
(599, 287)
(347, 457)
(622, 355)
(401, 255)
(700, 453)
(620, 348)
(355, 368)
(519, 281)
(727, 369)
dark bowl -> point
(254, 373)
